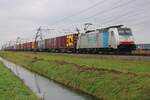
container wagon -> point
(29, 46)
(50, 44)
(41, 45)
(65, 43)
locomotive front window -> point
(125, 32)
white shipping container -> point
(41, 44)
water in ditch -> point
(43, 87)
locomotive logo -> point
(69, 40)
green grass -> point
(104, 77)
(12, 88)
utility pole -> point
(9, 45)
(18, 42)
(4, 46)
(77, 29)
(37, 35)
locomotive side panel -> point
(105, 38)
(94, 40)
(82, 41)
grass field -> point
(12, 88)
(104, 77)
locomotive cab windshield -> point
(124, 31)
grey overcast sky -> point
(21, 18)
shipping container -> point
(29, 46)
(71, 40)
(50, 43)
(34, 45)
(24, 46)
(58, 43)
(17, 47)
(67, 41)
(62, 42)
(41, 44)
(21, 46)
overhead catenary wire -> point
(144, 4)
(141, 22)
(107, 10)
(80, 12)
(138, 27)
(128, 14)
(83, 11)
(133, 19)
(137, 23)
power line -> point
(141, 28)
(101, 12)
(108, 10)
(139, 23)
(80, 12)
(127, 14)
(130, 19)
(136, 18)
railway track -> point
(132, 56)
(140, 56)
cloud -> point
(23, 17)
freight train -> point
(109, 39)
